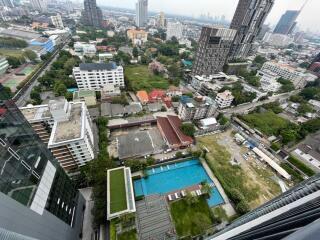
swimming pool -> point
(174, 176)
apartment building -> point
(269, 81)
(224, 99)
(57, 21)
(4, 65)
(174, 29)
(95, 76)
(66, 128)
(85, 49)
(197, 108)
(297, 77)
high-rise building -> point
(91, 15)
(6, 3)
(293, 215)
(248, 20)
(57, 21)
(287, 22)
(213, 49)
(161, 20)
(142, 13)
(39, 5)
(174, 29)
(37, 198)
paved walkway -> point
(87, 230)
(227, 206)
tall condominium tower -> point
(213, 49)
(37, 198)
(6, 3)
(142, 13)
(39, 5)
(294, 215)
(91, 15)
(287, 22)
(248, 20)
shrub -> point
(304, 168)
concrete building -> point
(213, 49)
(95, 76)
(6, 3)
(57, 21)
(224, 99)
(197, 108)
(174, 29)
(37, 198)
(296, 76)
(85, 49)
(161, 20)
(278, 40)
(4, 65)
(248, 21)
(138, 37)
(87, 96)
(39, 5)
(269, 81)
(66, 128)
(92, 14)
(141, 13)
(287, 22)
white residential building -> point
(224, 99)
(296, 76)
(66, 128)
(85, 49)
(4, 65)
(95, 76)
(269, 81)
(174, 29)
(279, 40)
(57, 21)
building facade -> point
(213, 49)
(7, 3)
(287, 22)
(137, 37)
(248, 21)
(39, 5)
(92, 14)
(57, 21)
(195, 109)
(269, 81)
(4, 65)
(37, 198)
(298, 78)
(66, 128)
(224, 99)
(174, 29)
(142, 13)
(95, 76)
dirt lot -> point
(258, 181)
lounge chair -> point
(177, 195)
(183, 193)
(169, 197)
(198, 192)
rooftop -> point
(97, 66)
(84, 93)
(36, 113)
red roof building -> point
(169, 128)
(156, 95)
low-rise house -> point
(224, 99)
(143, 97)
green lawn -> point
(130, 235)
(118, 201)
(191, 220)
(268, 123)
(11, 52)
(140, 78)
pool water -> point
(175, 176)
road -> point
(23, 96)
(245, 108)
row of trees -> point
(9, 42)
(240, 96)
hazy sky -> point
(310, 17)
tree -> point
(242, 207)
(191, 199)
(10, 42)
(31, 55)
(35, 96)
(304, 108)
(15, 61)
(288, 135)
(188, 129)
(59, 89)
(206, 188)
(135, 52)
(179, 155)
(222, 119)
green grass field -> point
(118, 201)
(11, 52)
(191, 220)
(268, 123)
(140, 78)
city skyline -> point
(227, 7)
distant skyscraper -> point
(213, 49)
(248, 20)
(39, 5)
(6, 3)
(287, 22)
(92, 15)
(37, 198)
(142, 13)
(161, 20)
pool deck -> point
(227, 205)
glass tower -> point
(29, 173)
